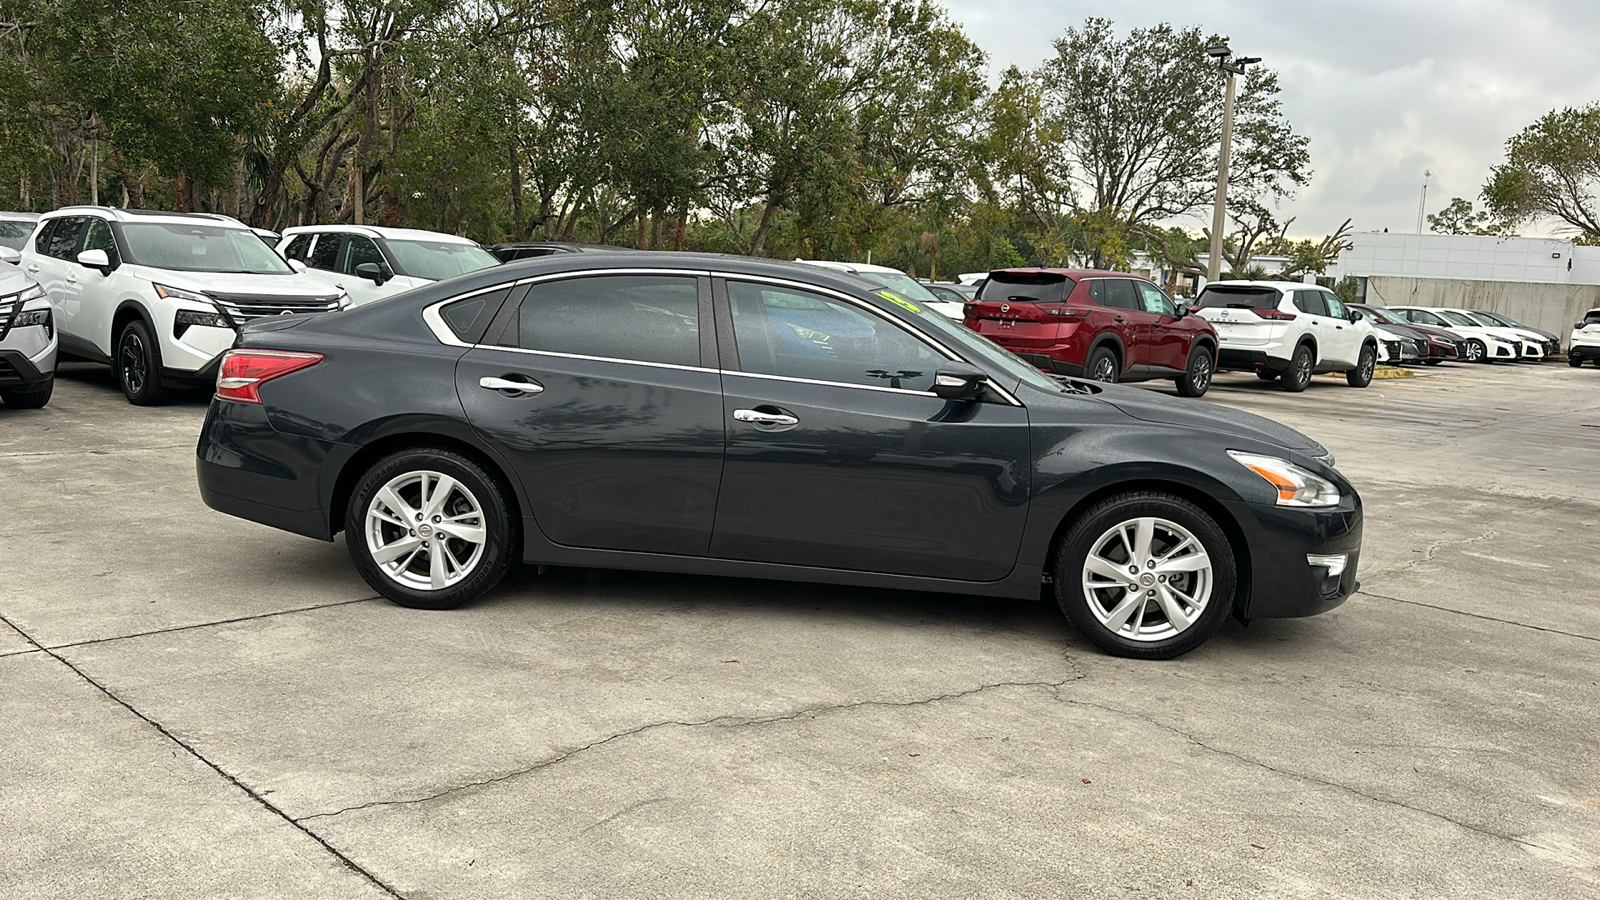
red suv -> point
(1109, 326)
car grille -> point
(8, 371)
(244, 307)
(8, 308)
(1394, 350)
(1422, 347)
(1461, 348)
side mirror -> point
(1184, 309)
(1354, 315)
(373, 272)
(297, 265)
(959, 382)
(95, 259)
(10, 255)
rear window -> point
(1238, 298)
(1029, 287)
(1592, 317)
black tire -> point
(1573, 361)
(1433, 362)
(1196, 378)
(34, 396)
(1087, 608)
(1297, 377)
(1102, 366)
(495, 516)
(1266, 374)
(1361, 375)
(137, 365)
(1476, 352)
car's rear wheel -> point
(1298, 376)
(1476, 351)
(1196, 378)
(1145, 574)
(1102, 365)
(138, 365)
(430, 529)
(1361, 375)
(1573, 361)
(34, 396)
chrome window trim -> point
(441, 331)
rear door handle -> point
(1118, 319)
(765, 419)
(510, 386)
(33, 268)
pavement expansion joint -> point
(1473, 615)
(716, 722)
(1308, 778)
(344, 860)
(1430, 551)
(192, 627)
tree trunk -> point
(644, 225)
(680, 239)
(769, 216)
(519, 229)
(656, 226)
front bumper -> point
(17, 368)
(1281, 582)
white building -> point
(1544, 282)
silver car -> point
(27, 338)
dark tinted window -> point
(1032, 287)
(1310, 302)
(41, 244)
(1115, 293)
(799, 334)
(297, 246)
(469, 318)
(649, 318)
(358, 250)
(1238, 298)
(100, 238)
(64, 239)
(325, 255)
(1591, 317)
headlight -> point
(1295, 486)
(31, 317)
(32, 293)
(172, 293)
(187, 317)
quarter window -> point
(325, 255)
(644, 318)
(798, 334)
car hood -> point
(300, 284)
(1161, 409)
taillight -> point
(1276, 314)
(244, 371)
(1074, 313)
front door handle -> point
(765, 419)
(511, 387)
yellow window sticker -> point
(899, 301)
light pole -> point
(1233, 66)
(1423, 203)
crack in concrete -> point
(177, 628)
(715, 721)
(1301, 776)
(1430, 551)
(346, 861)
(1473, 615)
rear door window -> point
(1310, 302)
(64, 239)
(297, 247)
(325, 255)
(1115, 293)
(637, 318)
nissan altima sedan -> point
(729, 416)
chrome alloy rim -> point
(1147, 579)
(1302, 368)
(1202, 372)
(1368, 361)
(1105, 369)
(425, 530)
(134, 367)
(1474, 351)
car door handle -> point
(759, 419)
(1117, 319)
(33, 268)
(511, 387)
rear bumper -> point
(1230, 358)
(1051, 364)
(1283, 580)
(247, 469)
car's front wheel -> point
(1361, 375)
(1573, 361)
(138, 365)
(430, 528)
(1475, 351)
(1297, 377)
(1145, 574)
(34, 396)
(1196, 379)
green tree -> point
(1552, 171)
(1460, 218)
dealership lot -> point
(197, 705)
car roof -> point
(849, 266)
(572, 246)
(1261, 283)
(1075, 274)
(156, 216)
(380, 231)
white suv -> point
(159, 296)
(1585, 342)
(371, 262)
(895, 280)
(1288, 330)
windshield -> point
(14, 234)
(1455, 318)
(194, 247)
(904, 285)
(975, 345)
(438, 260)
(1383, 315)
(1497, 319)
(1238, 298)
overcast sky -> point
(1383, 88)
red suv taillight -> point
(244, 371)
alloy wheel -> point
(1202, 373)
(1105, 369)
(425, 530)
(133, 362)
(1147, 579)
